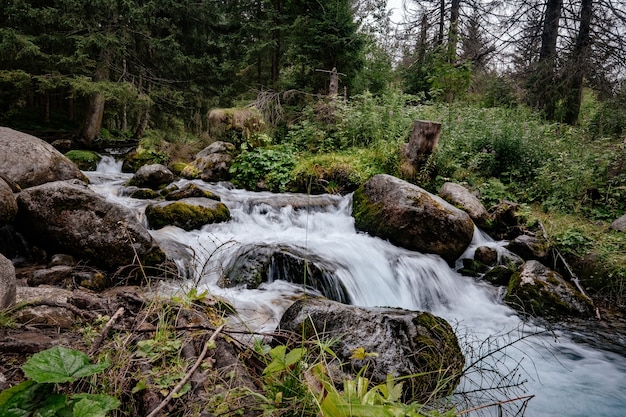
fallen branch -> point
(188, 374)
(499, 403)
(105, 331)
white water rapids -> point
(566, 378)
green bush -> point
(264, 168)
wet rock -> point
(85, 160)
(188, 214)
(462, 198)
(8, 205)
(487, 255)
(29, 161)
(506, 219)
(70, 218)
(473, 267)
(7, 283)
(411, 217)
(252, 265)
(190, 190)
(529, 247)
(152, 176)
(401, 343)
(537, 290)
(499, 275)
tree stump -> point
(422, 142)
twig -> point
(480, 407)
(188, 374)
(105, 330)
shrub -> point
(264, 168)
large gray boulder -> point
(401, 343)
(253, 265)
(7, 283)
(69, 217)
(462, 198)
(152, 176)
(30, 161)
(411, 217)
(8, 205)
(212, 163)
(536, 290)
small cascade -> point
(109, 165)
(566, 378)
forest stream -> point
(566, 377)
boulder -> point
(537, 290)
(190, 190)
(69, 217)
(8, 205)
(188, 213)
(152, 176)
(461, 197)
(407, 344)
(7, 283)
(507, 222)
(30, 161)
(619, 224)
(209, 168)
(410, 217)
(487, 255)
(254, 264)
(529, 247)
(217, 147)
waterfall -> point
(566, 378)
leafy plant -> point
(40, 395)
(264, 168)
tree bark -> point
(544, 84)
(453, 33)
(95, 109)
(579, 63)
(422, 142)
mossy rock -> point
(85, 160)
(188, 214)
(538, 291)
(144, 194)
(499, 275)
(190, 190)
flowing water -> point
(565, 378)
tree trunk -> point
(579, 64)
(422, 142)
(95, 109)
(453, 33)
(442, 19)
(544, 90)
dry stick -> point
(105, 331)
(480, 407)
(188, 374)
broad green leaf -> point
(22, 399)
(59, 364)
(94, 405)
(51, 405)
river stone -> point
(529, 247)
(486, 255)
(30, 161)
(190, 190)
(152, 176)
(537, 290)
(401, 343)
(7, 283)
(210, 168)
(411, 217)
(462, 198)
(217, 147)
(70, 218)
(253, 265)
(188, 213)
(8, 205)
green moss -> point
(85, 160)
(177, 167)
(367, 215)
(186, 216)
(144, 194)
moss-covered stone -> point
(499, 275)
(536, 290)
(85, 160)
(187, 215)
(144, 194)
